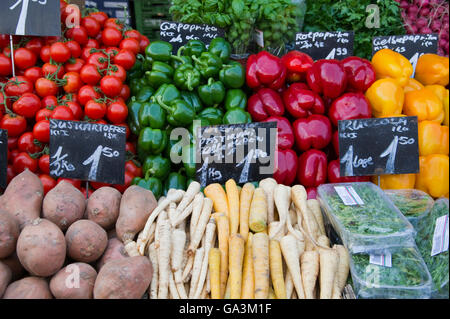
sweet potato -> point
(103, 207)
(9, 232)
(126, 278)
(114, 250)
(14, 264)
(135, 207)
(75, 281)
(23, 198)
(86, 241)
(41, 248)
(64, 205)
(28, 288)
(5, 277)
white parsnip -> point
(329, 260)
(291, 255)
(184, 214)
(273, 226)
(209, 239)
(289, 284)
(314, 207)
(309, 262)
(131, 249)
(198, 258)
(192, 190)
(282, 194)
(342, 271)
(178, 242)
(172, 287)
(153, 255)
(201, 225)
(197, 205)
(268, 185)
(164, 250)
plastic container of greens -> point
(413, 203)
(426, 234)
(406, 278)
(364, 217)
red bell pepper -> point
(312, 168)
(285, 136)
(311, 192)
(327, 77)
(285, 167)
(334, 175)
(349, 106)
(312, 132)
(265, 70)
(360, 73)
(302, 102)
(297, 64)
(264, 103)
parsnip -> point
(261, 267)
(291, 255)
(164, 251)
(268, 185)
(310, 271)
(342, 271)
(329, 259)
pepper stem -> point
(189, 81)
(162, 104)
(178, 58)
(210, 81)
(147, 174)
(198, 61)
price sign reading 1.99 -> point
(378, 146)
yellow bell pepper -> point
(399, 181)
(386, 98)
(433, 138)
(412, 85)
(433, 177)
(391, 64)
(424, 104)
(432, 69)
(446, 109)
(442, 93)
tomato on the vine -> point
(27, 105)
(86, 53)
(62, 112)
(125, 92)
(73, 83)
(48, 182)
(130, 44)
(113, 23)
(14, 124)
(35, 45)
(49, 100)
(130, 166)
(133, 34)
(26, 143)
(92, 26)
(12, 142)
(44, 114)
(18, 86)
(45, 87)
(41, 131)
(94, 110)
(75, 48)
(60, 52)
(76, 109)
(24, 161)
(92, 43)
(5, 65)
(45, 54)
(33, 73)
(52, 69)
(100, 16)
(98, 59)
(12, 155)
(125, 58)
(117, 112)
(118, 71)
(74, 65)
(44, 164)
(111, 86)
(87, 93)
(89, 74)
(24, 58)
(78, 34)
(111, 36)
(144, 43)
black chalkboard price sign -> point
(3, 156)
(378, 146)
(30, 17)
(325, 45)
(244, 152)
(411, 46)
(87, 151)
(178, 34)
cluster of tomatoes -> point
(79, 77)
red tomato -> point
(111, 36)
(98, 59)
(15, 125)
(128, 179)
(94, 110)
(86, 53)
(75, 66)
(92, 43)
(69, 98)
(125, 58)
(87, 93)
(130, 44)
(4, 40)
(5, 65)
(102, 121)
(49, 101)
(41, 131)
(52, 69)
(9, 174)
(44, 164)
(22, 161)
(89, 74)
(92, 26)
(117, 112)
(113, 23)
(111, 86)
(74, 182)
(119, 72)
(50, 40)
(133, 34)
(78, 34)
(12, 142)
(101, 17)
(62, 112)
(75, 48)
(112, 51)
(144, 43)
(35, 45)
(126, 92)
(130, 147)
(18, 86)
(45, 87)
(48, 182)
(60, 52)
(27, 105)
(26, 143)
(73, 82)
(45, 54)
(24, 58)
(12, 155)
(131, 167)
(33, 73)
(44, 114)
(76, 109)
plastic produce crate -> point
(149, 14)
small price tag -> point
(384, 260)
(259, 38)
(440, 237)
(348, 195)
(3, 156)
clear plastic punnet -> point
(364, 217)
(432, 240)
(400, 274)
(413, 203)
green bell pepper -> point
(147, 64)
(168, 93)
(176, 180)
(151, 183)
(156, 166)
(195, 124)
(137, 71)
(160, 74)
(232, 75)
(173, 149)
(159, 51)
(237, 116)
(212, 93)
(186, 77)
(188, 157)
(151, 114)
(144, 94)
(136, 85)
(151, 141)
(133, 115)
(193, 99)
(212, 114)
(193, 47)
(235, 98)
(208, 64)
(220, 47)
(180, 113)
